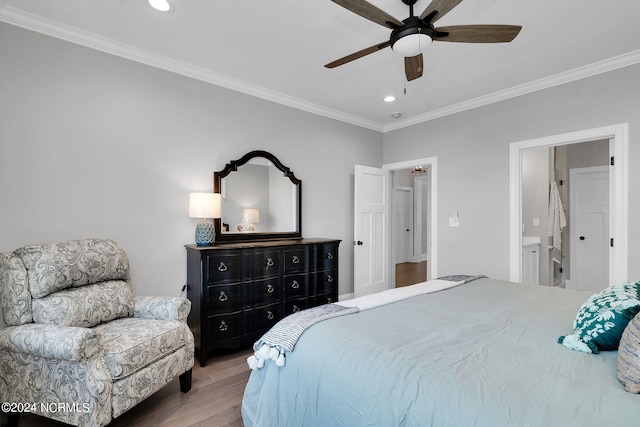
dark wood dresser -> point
(240, 290)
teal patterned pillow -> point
(602, 319)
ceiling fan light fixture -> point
(412, 44)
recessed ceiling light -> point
(396, 115)
(389, 98)
(161, 5)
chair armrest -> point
(50, 341)
(162, 308)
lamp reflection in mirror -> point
(251, 216)
(205, 206)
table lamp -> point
(205, 206)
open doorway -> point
(422, 263)
(617, 251)
(411, 224)
(565, 209)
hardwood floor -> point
(410, 273)
(214, 399)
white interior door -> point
(404, 224)
(589, 228)
(371, 230)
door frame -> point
(432, 162)
(618, 136)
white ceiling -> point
(277, 49)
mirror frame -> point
(232, 166)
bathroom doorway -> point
(617, 250)
(565, 204)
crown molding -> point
(55, 29)
(51, 28)
(610, 64)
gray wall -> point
(96, 145)
(472, 148)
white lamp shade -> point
(251, 216)
(412, 45)
(204, 205)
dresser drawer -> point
(266, 264)
(224, 298)
(326, 298)
(296, 260)
(223, 268)
(266, 291)
(225, 330)
(295, 305)
(263, 318)
(327, 256)
(326, 281)
(296, 285)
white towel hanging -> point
(557, 219)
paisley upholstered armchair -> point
(79, 347)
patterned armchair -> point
(79, 347)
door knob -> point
(359, 243)
(581, 237)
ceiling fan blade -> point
(413, 67)
(358, 54)
(370, 12)
(441, 6)
(477, 33)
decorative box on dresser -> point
(240, 290)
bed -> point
(483, 353)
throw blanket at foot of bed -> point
(284, 335)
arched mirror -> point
(261, 199)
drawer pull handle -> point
(269, 263)
(329, 255)
(222, 266)
(330, 279)
(295, 284)
(295, 259)
(223, 297)
(270, 289)
(270, 315)
(223, 326)
(295, 309)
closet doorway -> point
(616, 137)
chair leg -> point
(185, 381)
(12, 419)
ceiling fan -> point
(412, 35)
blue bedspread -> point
(480, 354)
